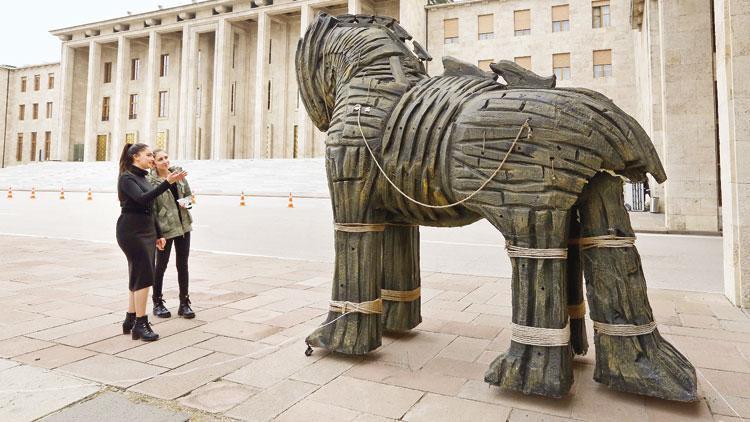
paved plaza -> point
(62, 356)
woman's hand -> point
(176, 176)
(161, 243)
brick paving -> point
(242, 358)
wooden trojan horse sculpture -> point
(542, 164)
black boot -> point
(160, 310)
(129, 322)
(142, 330)
(185, 310)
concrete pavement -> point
(242, 357)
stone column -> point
(733, 98)
(92, 100)
(64, 104)
(184, 94)
(261, 81)
(189, 151)
(151, 100)
(305, 128)
(220, 101)
(120, 104)
(354, 7)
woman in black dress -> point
(138, 233)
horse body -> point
(404, 150)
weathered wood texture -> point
(401, 273)
(616, 290)
(539, 300)
(438, 140)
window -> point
(49, 110)
(105, 109)
(163, 103)
(32, 151)
(133, 107)
(600, 14)
(485, 65)
(47, 144)
(50, 81)
(19, 148)
(21, 111)
(560, 18)
(486, 27)
(107, 72)
(35, 111)
(23, 83)
(135, 69)
(270, 44)
(235, 46)
(37, 82)
(232, 96)
(164, 65)
(561, 66)
(450, 31)
(198, 101)
(602, 63)
(523, 61)
(522, 22)
(268, 104)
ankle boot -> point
(160, 310)
(185, 310)
(142, 330)
(129, 322)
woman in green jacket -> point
(171, 208)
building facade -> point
(29, 107)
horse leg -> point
(353, 324)
(401, 280)
(616, 288)
(539, 300)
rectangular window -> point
(32, 152)
(135, 69)
(235, 46)
(602, 63)
(561, 66)
(107, 72)
(268, 104)
(485, 65)
(19, 148)
(164, 65)
(523, 61)
(21, 111)
(35, 111)
(600, 14)
(47, 144)
(198, 101)
(232, 96)
(522, 22)
(486, 27)
(37, 82)
(133, 107)
(270, 45)
(50, 81)
(560, 18)
(105, 109)
(49, 109)
(163, 104)
(450, 31)
(23, 83)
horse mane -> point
(392, 25)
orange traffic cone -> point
(62, 193)
(290, 205)
(192, 198)
(242, 199)
(10, 192)
(33, 192)
(89, 197)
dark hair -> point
(128, 152)
(158, 150)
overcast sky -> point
(25, 25)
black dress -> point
(137, 229)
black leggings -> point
(182, 249)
